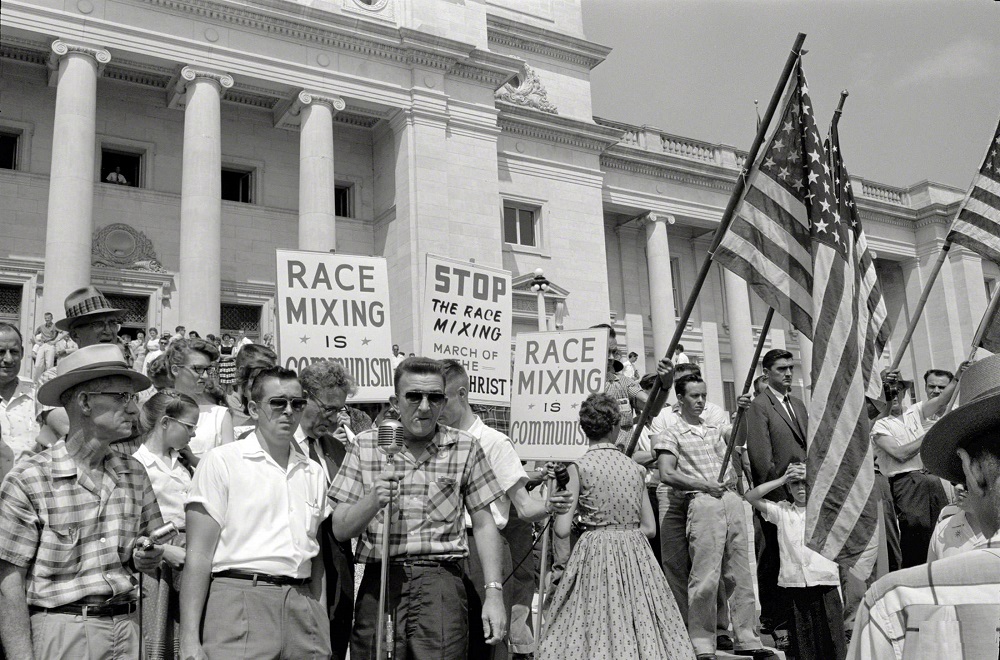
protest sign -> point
(466, 317)
(553, 373)
(336, 306)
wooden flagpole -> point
(724, 223)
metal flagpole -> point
(727, 218)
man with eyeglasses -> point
(440, 472)
(324, 434)
(252, 586)
(75, 520)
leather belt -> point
(281, 580)
(83, 609)
(428, 560)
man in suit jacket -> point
(775, 436)
(323, 434)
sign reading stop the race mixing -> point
(336, 306)
(553, 373)
(466, 317)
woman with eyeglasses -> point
(168, 421)
(193, 364)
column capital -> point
(288, 113)
(335, 103)
(61, 49)
(177, 90)
(651, 217)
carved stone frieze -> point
(120, 245)
(530, 93)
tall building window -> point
(237, 185)
(343, 201)
(121, 168)
(520, 224)
(8, 150)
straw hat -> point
(977, 413)
(87, 364)
(85, 305)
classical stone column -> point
(70, 222)
(317, 212)
(201, 201)
(661, 290)
(741, 343)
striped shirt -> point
(450, 473)
(74, 536)
(945, 609)
(699, 449)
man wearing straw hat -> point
(74, 520)
(948, 608)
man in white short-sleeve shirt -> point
(510, 474)
(253, 515)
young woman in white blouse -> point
(193, 364)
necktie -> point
(791, 411)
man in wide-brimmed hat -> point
(949, 607)
(74, 519)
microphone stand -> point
(384, 630)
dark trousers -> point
(475, 591)
(774, 611)
(429, 610)
(523, 582)
(919, 498)
(817, 625)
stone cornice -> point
(531, 39)
(530, 123)
(665, 167)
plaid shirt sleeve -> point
(19, 522)
(481, 485)
(348, 485)
(150, 518)
(666, 441)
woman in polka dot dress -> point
(613, 601)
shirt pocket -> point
(58, 551)
(443, 501)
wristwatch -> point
(494, 585)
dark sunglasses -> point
(433, 398)
(279, 404)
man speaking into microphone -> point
(440, 472)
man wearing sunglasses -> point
(252, 586)
(440, 472)
(75, 519)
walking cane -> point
(390, 443)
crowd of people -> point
(189, 497)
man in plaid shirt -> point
(74, 519)
(440, 472)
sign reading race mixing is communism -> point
(466, 317)
(336, 306)
(553, 373)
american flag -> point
(789, 232)
(977, 226)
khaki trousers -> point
(55, 635)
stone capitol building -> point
(162, 149)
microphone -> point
(390, 437)
(562, 476)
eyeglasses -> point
(106, 324)
(433, 398)
(279, 404)
(201, 370)
(191, 428)
(324, 408)
(123, 397)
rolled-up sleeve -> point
(19, 522)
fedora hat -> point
(85, 304)
(86, 364)
(978, 412)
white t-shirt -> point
(896, 431)
(800, 566)
(171, 483)
(504, 462)
(712, 415)
(209, 432)
(269, 516)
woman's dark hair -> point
(598, 415)
(169, 403)
(250, 361)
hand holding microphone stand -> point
(390, 443)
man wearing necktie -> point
(775, 433)
(323, 435)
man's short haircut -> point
(773, 356)
(939, 373)
(454, 371)
(327, 374)
(179, 328)
(685, 369)
(985, 449)
(632, 354)
(10, 327)
(679, 349)
(257, 391)
(611, 331)
(599, 414)
(680, 385)
(646, 382)
(418, 366)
